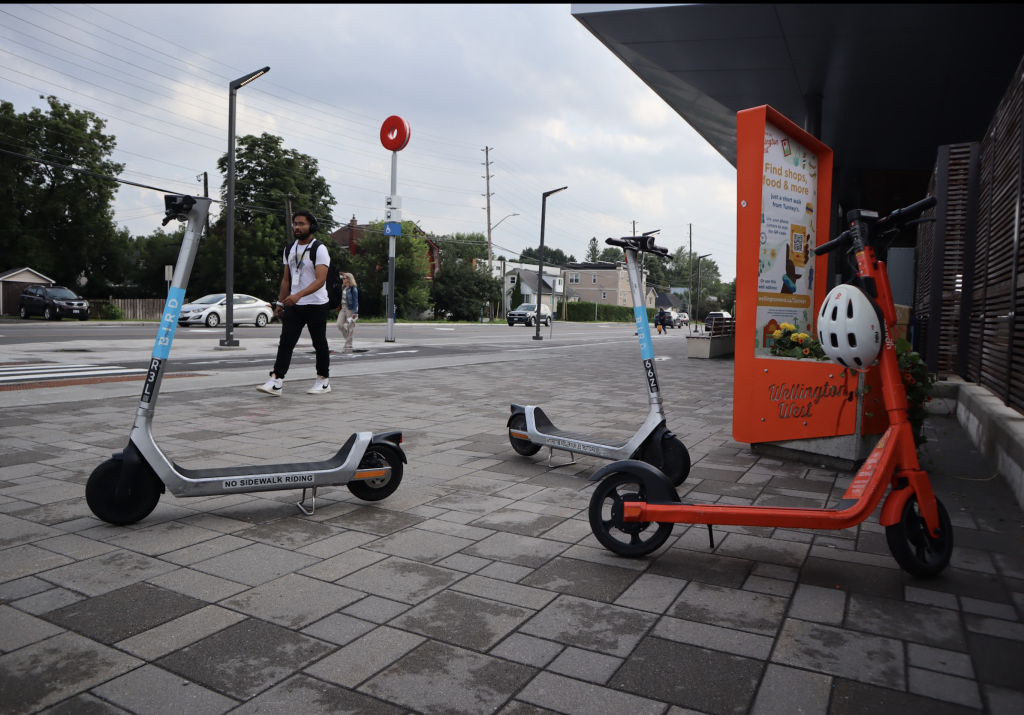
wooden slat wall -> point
(135, 308)
(994, 257)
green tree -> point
(593, 252)
(516, 297)
(266, 173)
(461, 288)
(552, 256)
(152, 253)
(370, 267)
(56, 221)
(611, 254)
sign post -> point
(394, 135)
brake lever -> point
(916, 221)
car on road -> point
(53, 303)
(212, 310)
(680, 318)
(527, 313)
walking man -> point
(303, 302)
(348, 313)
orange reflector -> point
(519, 435)
(370, 473)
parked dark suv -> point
(53, 303)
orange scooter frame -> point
(892, 464)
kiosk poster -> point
(789, 199)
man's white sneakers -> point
(321, 387)
(273, 386)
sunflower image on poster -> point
(789, 197)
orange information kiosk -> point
(784, 195)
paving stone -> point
(1002, 701)
(870, 659)
(988, 608)
(703, 568)
(339, 629)
(908, 621)
(151, 690)
(108, 572)
(419, 545)
(517, 521)
(944, 687)
(343, 564)
(464, 563)
(120, 614)
(590, 550)
(18, 629)
(517, 708)
(22, 588)
(505, 572)
(84, 704)
(651, 593)
(817, 604)
(15, 532)
(183, 631)
(400, 580)
(26, 560)
(854, 578)
(440, 526)
(785, 691)
(463, 620)
(157, 539)
(256, 564)
(514, 594)
(711, 682)
(972, 560)
(376, 521)
(996, 661)
(704, 635)
(205, 550)
(376, 609)
(851, 698)
(245, 658)
(590, 625)
(994, 627)
(775, 571)
(302, 694)
(197, 584)
(365, 656)
(292, 601)
(47, 601)
(770, 586)
(51, 670)
(469, 683)
(732, 608)
(337, 544)
(289, 533)
(75, 546)
(516, 549)
(942, 661)
(585, 665)
(596, 582)
(783, 553)
(572, 697)
(527, 650)
(930, 598)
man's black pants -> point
(313, 317)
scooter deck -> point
(227, 472)
(547, 429)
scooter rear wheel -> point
(914, 549)
(522, 446)
(378, 456)
(139, 502)
(625, 538)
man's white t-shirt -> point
(303, 272)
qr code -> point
(798, 242)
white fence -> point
(131, 308)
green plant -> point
(918, 383)
(109, 311)
(790, 343)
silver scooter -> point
(126, 488)
(529, 428)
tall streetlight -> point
(229, 240)
(697, 315)
(540, 256)
(499, 222)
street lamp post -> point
(697, 317)
(229, 239)
(540, 256)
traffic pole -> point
(394, 135)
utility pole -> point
(206, 193)
(634, 228)
(287, 219)
(689, 262)
(699, 259)
(487, 178)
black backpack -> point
(333, 284)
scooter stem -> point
(643, 330)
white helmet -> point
(850, 328)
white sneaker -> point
(273, 386)
(320, 387)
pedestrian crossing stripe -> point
(51, 371)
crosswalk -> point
(37, 372)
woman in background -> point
(348, 311)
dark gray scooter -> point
(529, 428)
(126, 488)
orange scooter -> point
(633, 509)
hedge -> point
(583, 312)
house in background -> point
(349, 236)
(551, 294)
(603, 282)
(668, 300)
(13, 282)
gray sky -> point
(556, 105)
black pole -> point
(229, 239)
(540, 265)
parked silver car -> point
(211, 311)
(527, 313)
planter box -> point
(698, 346)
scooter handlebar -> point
(638, 243)
(832, 245)
(908, 213)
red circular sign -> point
(395, 133)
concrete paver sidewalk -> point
(478, 587)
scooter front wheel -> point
(138, 501)
(915, 550)
(378, 456)
(522, 446)
(625, 538)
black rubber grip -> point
(908, 213)
(831, 245)
(616, 242)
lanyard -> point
(299, 259)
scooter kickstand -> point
(312, 506)
(551, 453)
(711, 537)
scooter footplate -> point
(217, 472)
(588, 438)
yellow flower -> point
(777, 334)
(787, 326)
